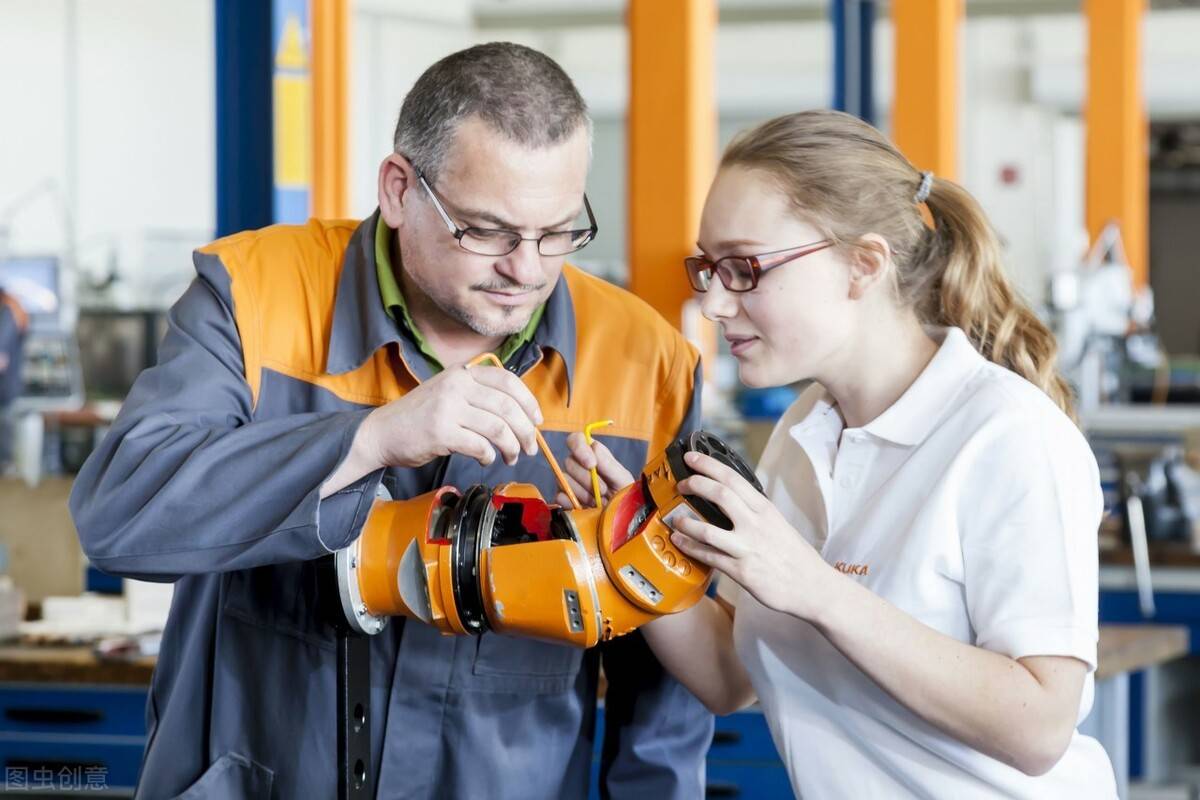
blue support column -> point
(245, 187)
(853, 57)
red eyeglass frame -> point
(757, 264)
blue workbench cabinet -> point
(71, 738)
(742, 761)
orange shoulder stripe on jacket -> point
(631, 365)
(284, 283)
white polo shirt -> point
(972, 504)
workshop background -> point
(136, 130)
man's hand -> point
(613, 475)
(475, 412)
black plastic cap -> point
(710, 445)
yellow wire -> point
(490, 358)
(587, 435)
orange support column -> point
(672, 140)
(330, 31)
(1115, 120)
(925, 108)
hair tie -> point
(923, 190)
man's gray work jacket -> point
(210, 478)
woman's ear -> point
(870, 265)
(396, 178)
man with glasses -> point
(307, 367)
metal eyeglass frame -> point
(458, 233)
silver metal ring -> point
(357, 616)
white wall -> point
(33, 137)
(1170, 62)
(392, 42)
(1024, 90)
(597, 59)
(1021, 84)
(117, 128)
(109, 122)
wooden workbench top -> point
(75, 664)
(1123, 648)
(1129, 648)
(1162, 554)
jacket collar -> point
(361, 324)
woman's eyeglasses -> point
(741, 273)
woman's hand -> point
(763, 553)
(613, 475)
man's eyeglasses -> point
(741, 273)
(500, 242)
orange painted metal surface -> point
(577, 576)
(672, 142)
(925, 105)
(330, 108)
(1116, 128)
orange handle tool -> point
(490, 358)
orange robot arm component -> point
(505, 560)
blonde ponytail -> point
(975, 295)
(849, 180)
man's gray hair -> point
(517, 91)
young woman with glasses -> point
(914, 601)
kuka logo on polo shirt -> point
(852, 569)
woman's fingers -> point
(721, 495)
(709, 535)
(703, 553)
(726, 476)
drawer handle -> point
(54, 716)
(722, 789)
(727, 737)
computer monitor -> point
(34, 281)
(114, 348)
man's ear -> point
(397, 178)
(870, 264)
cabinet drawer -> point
(757, 781)
(38, 708)
(70, 764)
